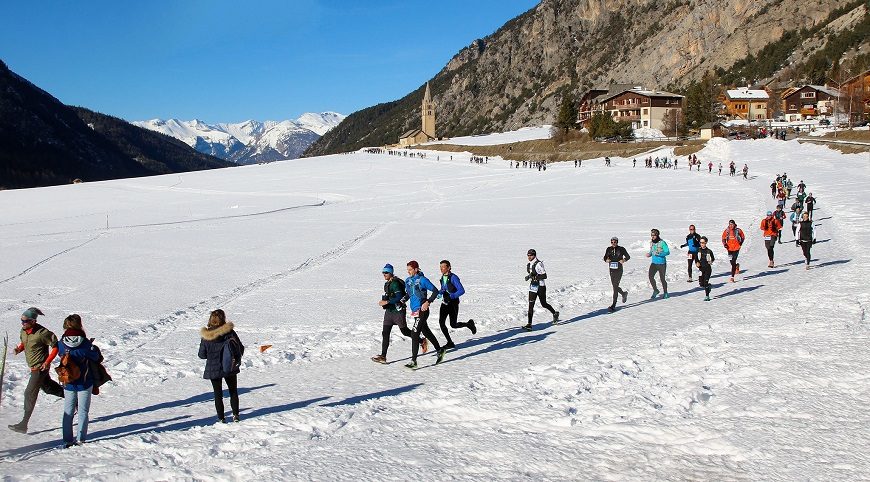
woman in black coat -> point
(222, 361)
(806, 236)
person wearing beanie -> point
(732, 240)
(77, 393)
(417, 293)
(658, 250)
(36, 341)
(770, 227)
(537, 278)
(394, 311)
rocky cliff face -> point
(517, 76)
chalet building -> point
(745, 103)
(427, 132)
(641, 107)
(809, 102)
(855, 99)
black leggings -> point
(805, 247)
(385, 336)
(451, 310)
(615, 278)
(691, 262)
(732, 256)
(542, 294)
(704, 279)
(219, 395)
(770, 244)
(422, 328)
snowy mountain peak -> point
(250, 141)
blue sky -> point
(225, 61)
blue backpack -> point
(231, 356)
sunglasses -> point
(28, 320)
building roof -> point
(745, 93)
(637, 90)
(411, 133)
(824, 88)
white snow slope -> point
(769, 381)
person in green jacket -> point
(394, 311)
(36, 341)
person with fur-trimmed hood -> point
(77, 393)
(222, 351)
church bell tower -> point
(428, 114)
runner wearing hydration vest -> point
(732, 240)
(537, 278)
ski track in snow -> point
(765, 382)
(46, 260)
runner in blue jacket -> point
(417, 287)
(693, 241)
(449, 292)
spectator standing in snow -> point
(77, 393)
(222, 351)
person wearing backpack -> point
(222, 351)
(417, 287)
(394, 311)
(76, 352)
(537, 278)
(770, 227)
(36, 341)
(449, 292)
(732, 240)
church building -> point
(427, 133)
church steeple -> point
(428, 114)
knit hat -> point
(31, 313)
(532, 252)
(388, 268)
(414, 264)
(770, 213)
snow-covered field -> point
(767, 381)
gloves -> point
(17, 350)
(528, 277)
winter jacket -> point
(451, 289)
(36, 344)
(658, 251)
(810, 202)
(693, 241)
(732, 239)
(211, 349)
(539, 276)
(780, 215)
(770, 226)
(416, 291)
(394, 292)
(81, 352)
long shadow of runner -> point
(831, 263)
(739, 291)
(765, 273)
(495, 337)
(371, 396)
(509, 343)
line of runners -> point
(417, 292)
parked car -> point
(824, 122)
